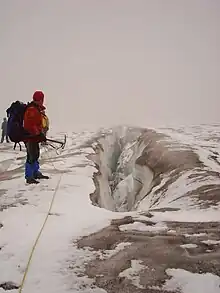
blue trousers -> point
(32, 164)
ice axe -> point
(62, 143)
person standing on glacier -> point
(33, 125)
(4, 131)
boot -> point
(31, 181)
(39, 175)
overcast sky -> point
(104, 62)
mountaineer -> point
(33, 125)
(4, 131)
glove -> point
(42, 137)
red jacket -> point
(33, 121)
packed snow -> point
(185, 282)
(133, 272)
(143, 227)
(72, 216)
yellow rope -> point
(38, 237)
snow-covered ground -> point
(26, 207)
(57, 264)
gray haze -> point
(100, 62)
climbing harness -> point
(39, 234)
